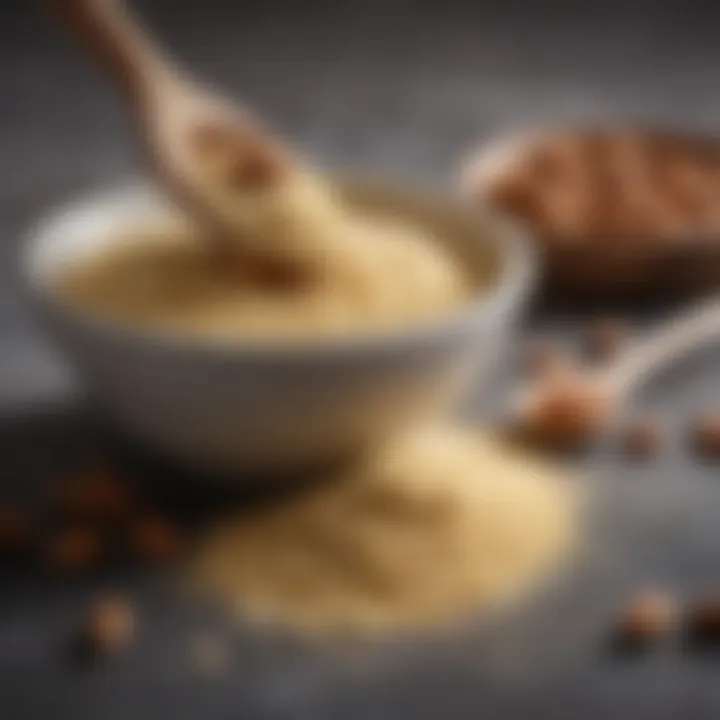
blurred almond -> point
(73, 549)
(567, 411)
(646, 618)
(16, 529)
(110, 625)
(706, 434)
(96, 493)
(155, 539)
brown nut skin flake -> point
(646, 619)
(705, 435)
(109, 626)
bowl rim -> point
(516, 278)
(483, 159)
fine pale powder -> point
(367, 272)
(163, 278)
(444, 523)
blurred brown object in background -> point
(687, 181)
(517, 197)
(98, 493)
(614, 210)
(16, 530)
(643, 438)
(705, 434)
(73, 549)
(154, 539)
(645, 620)
(617, 165)
(565, 411)
(110, 625)
(702, 622)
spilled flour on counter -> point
(441, 524)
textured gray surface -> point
(406, 88)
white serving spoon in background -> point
(183, 127)
(573, 407)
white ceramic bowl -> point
(257, 409)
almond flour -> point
(439, 525)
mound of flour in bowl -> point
(444, 523)
(168, 278)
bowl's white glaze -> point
(250, 408)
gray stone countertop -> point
(405, 88)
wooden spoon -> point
(199, 145)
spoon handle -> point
(689, 330)
(116, 40)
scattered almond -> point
(702, 622)
(706, 435)
(565, 412)
(647, 618)
(74, 549)
(15, 530)
(110, 625)
(155, 539)
(96, 493)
